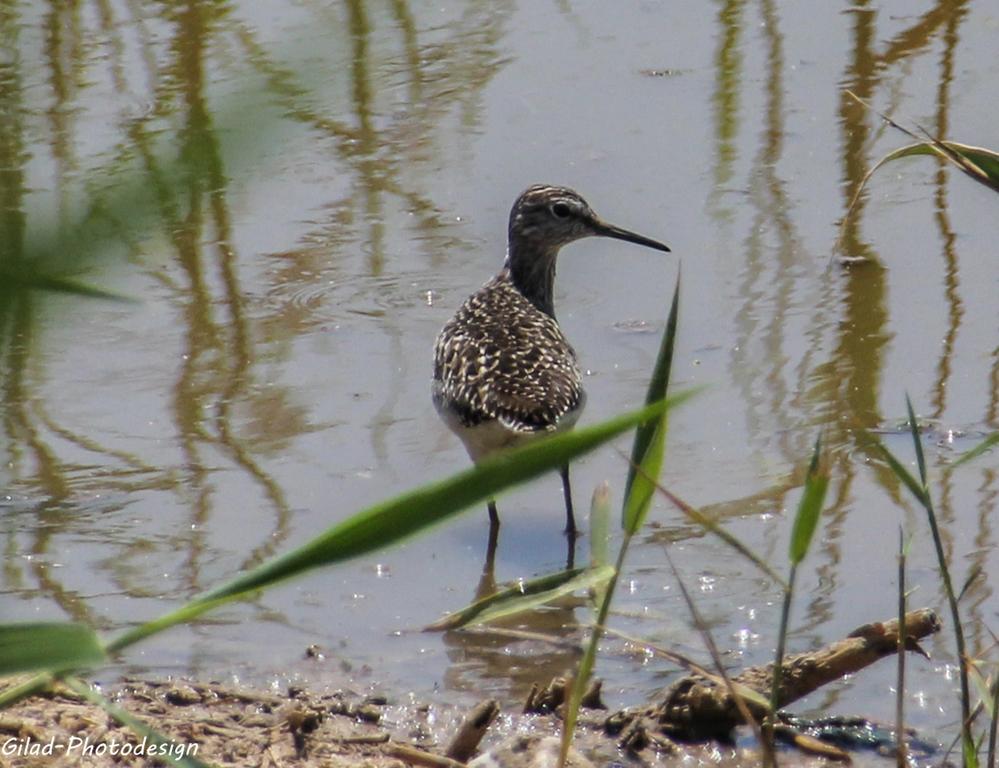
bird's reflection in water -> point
(507, 657)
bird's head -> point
(542, 220)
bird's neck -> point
(532, 272)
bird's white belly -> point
(493, 435)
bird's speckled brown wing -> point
(501, 358)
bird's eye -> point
(561, 210)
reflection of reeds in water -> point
(863, 373)
(837, 377)
(382, 156)
(769, 282)
(160, 174)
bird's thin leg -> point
(494, 525)
(493, 518)
(487, 581)
(570, 556)
(570, 519)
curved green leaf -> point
(524, 596)
(30, 646)
(599, 524)
(649, 447)
(810, 507)
(983, 447)
(979, 163)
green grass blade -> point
(810, 507)
(985, 159)
(901, 749)
(696, 516)
(583, 674)
(749, 694)
(639, 498)
(159, 746)
(187, 612)
(599, 524)
(778, 670)
(29, 280)
(408, 514)
(983, 688)
(26, 647)
(983, 447)
(985, 162)
(978, 163)
(806, 522)
(709, 643)
(914, 486)
(969, 750)
(418, 510)
(586, 664)
(914, 430)
(973, 575)
(525, 596)
(649, 446)
(646, 460)
(921, 491)
(36, 684)
(384, 524)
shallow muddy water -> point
(310, 192)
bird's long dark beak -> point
(604, 229)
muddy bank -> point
(696, 717)
(227, 726)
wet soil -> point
(227, 726)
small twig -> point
(810, 744)
(15, 727)
(472, 729)
(364, 738)
(415, 756)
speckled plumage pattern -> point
(503, 370)
(501, 358)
